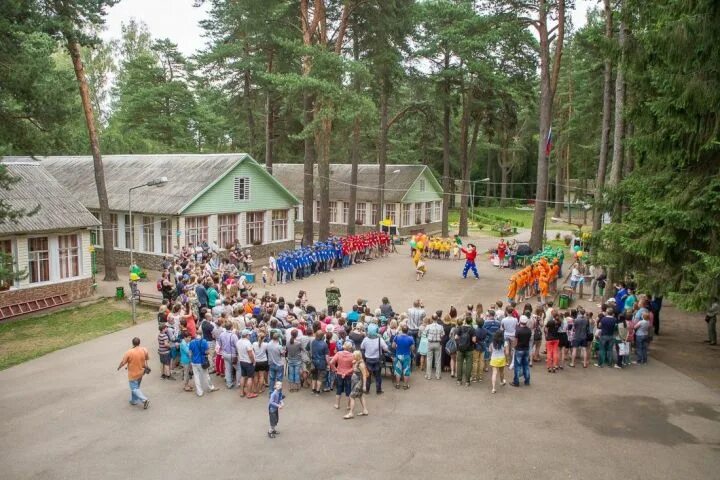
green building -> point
(413, 196)
(213, 198)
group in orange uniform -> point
(539, 278)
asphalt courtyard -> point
(65, 415)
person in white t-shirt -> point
(246, 364)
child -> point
(264, 276)
(276, 403)
(470, 254)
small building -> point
(223, 198)
(50, 249)
(413, 196)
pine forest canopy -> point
(469, 88)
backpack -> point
(465, 344)
(159, 285)
(451, 346)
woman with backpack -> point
(448, 323)
(497, 359)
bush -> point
(567, 239)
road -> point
(65, 415)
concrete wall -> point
(74, 289)
(338, 229)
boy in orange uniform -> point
(512, 289)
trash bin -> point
(120, 293)
(564, 301)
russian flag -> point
(548, 143)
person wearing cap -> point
(246, 363)
(522, 352)
(373, 348)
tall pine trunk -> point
(605, 132)
(548, 86)
(107, 235)
(446, 150)
(354, 161)
(619, 133)
(464, 165)
(382, 149)
(269, 122)
(322, 144)
(309, 173)
(557, 211)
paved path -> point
(65, 415)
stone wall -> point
(153, 262)
(75, 290)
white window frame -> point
(12, 263)
(405, 214)
(241, 189)
(65, 260)
(148, 233)
(31, 268)
(225, 229)
(279, 226)
(421, 185)
(361, 212)
(391, 213)
(345, 212)
(167, 241)
(254, 225)
(199, 233)
(333, 212)
(437, 210)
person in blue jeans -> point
(522, 352)
(276, 360)
(607, 338)
(136, 360)
(641, 338)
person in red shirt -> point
(470, 254)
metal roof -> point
(188, 176)
(37, 188)
(398, 180)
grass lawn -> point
(491, 216)
(25, 339)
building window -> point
(405, 214)
(39, 259)
(254, 226)
(418, 213)
(115, 230)
(69, 253)
(374, 220)
(391, 212)
(166, 235)
(333, 212)
(96, 232)
(421, 184)
(227, 230)
(345, 212)
(196, 229)
(437, 211)
(428, 212)
(360, 209)
(241, 189)
(6, 257)
(298, 213)
(279, 225)
(129, 243)
(148, 230)
(316, 216)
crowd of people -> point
(255, 342)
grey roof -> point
(188, 175)
(396, 184)
(58, 209)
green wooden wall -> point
(432, 191)
(265, 193)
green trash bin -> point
(120, 293)
(564, 301)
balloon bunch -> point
(578, 251)
(419, 242)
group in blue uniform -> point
(305, 261)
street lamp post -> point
(158, 182)
(472, 193)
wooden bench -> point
(504, 229)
